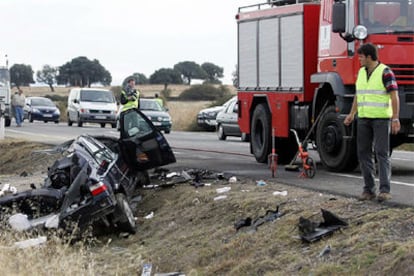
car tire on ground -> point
(220, 133)
(125, 217)
(102, 125)
(167, 131)
(69, 121)
(245, 137)
(113, 125)
(30, 118)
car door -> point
(142, 145)
(231, 124)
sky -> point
(126, 36)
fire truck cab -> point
(297, 67)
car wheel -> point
(102, 125)
(113, 125)
(56, 122)
(80, 123)
(124, 215)
(167, 131)
(69, 121)
(245, 137)
(220, 133)
(30, 118)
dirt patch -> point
(193, 232)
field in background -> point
(183, 114)
(146, 90)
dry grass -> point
(192, 233)
(184, 114)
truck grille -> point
(403, 73)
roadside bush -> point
(204, 92)
(57, 98)
(117, 92)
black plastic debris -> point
(270, 215)
(312, 231)
(243, 223)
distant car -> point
(158, 115)
(41, 109)
(227, 124)
(206, 118)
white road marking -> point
(376, 179)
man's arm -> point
(350, 117)
(395, 103)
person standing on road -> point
(159, 100)
(377, 104)
(18, 101)
(129, 95)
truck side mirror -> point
(338, 17)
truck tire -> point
(7, 122)
(124, 215)
(260, 137)
(337, 154)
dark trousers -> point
(373, 137)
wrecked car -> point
(95, 179)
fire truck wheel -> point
(260, 137)
(336, 153)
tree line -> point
(83, 72)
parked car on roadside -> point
(41, 109)
(227, 122)
(206, 118)
(158, 115)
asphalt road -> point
(203, 150)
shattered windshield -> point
(98, 151)
(383, 17)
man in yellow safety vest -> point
(378, 106)
(129, 95)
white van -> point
(92, 105)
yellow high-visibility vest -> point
(372, 97)
(130, 104)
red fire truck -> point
(297, 66)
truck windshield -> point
(383, 17)
(4, 77)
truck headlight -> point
(360, 32)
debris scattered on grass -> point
(283, 193)
(312, 231)
(220, 197)
(223, 190)
(30, 242)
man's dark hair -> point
(130, 79)
(369, 50)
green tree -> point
(190, 70)
(213, 72)
(83, 72)
(21, 75)
(47, 75)
(166, 76)
(140, 78)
